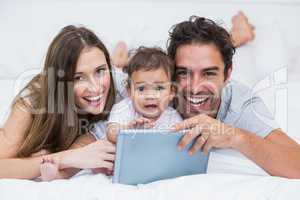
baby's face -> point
(151, 92)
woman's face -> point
(91, 81)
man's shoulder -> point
(237, 94)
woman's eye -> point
(101, 71)
(78, 78)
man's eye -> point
(210, 74)
(181, 73)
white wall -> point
(27, 27)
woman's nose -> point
(94, 85)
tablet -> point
(144, 156)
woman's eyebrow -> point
(100, 66)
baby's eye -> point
(159, 87)
(141, 88)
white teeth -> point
(197, 100)
(97, 98)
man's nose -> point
(195, 84)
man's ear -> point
(229, 72)
(173, 92)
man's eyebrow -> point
(180, 67)
(213, 68)
(156, 82)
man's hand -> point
(208, 133)
(242, 31)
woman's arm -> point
(97, 154)
(80, 142)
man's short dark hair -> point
(148, 59)
(203, 31)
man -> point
(223, 114)
(220, 113)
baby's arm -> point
(113, 128)
(112, 131)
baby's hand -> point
(140, 123)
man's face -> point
(200, 79)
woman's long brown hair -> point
(56, 122)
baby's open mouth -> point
(151, 106)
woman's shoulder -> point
(29, 96)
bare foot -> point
(49, 169)
(120, 55)
(105, 171)
(242, 30)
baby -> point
(150, 92)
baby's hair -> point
(147, 59)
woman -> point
(56, 109)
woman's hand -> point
(42, 152)
(99, 154)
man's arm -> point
(278, 154)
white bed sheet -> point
(208, 186)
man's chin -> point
(189, 113)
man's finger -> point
(207, 146)
(201, 140)
(188, 137)
(186, 124)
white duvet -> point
(207, 186)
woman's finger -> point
(107, 164)
(109, 157)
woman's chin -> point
(94, 110)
